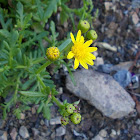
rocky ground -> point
(115, 79)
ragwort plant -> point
(24, 58)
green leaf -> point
(64, 45)
(63, 16)
(14, 37)
(32, 94)
(27, 84)
(40, 107)
(52, 7)
(20, 12)
(46, 112)
(77, 102)
(4, 34)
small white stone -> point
(108, 5)
(135, 18)
(118, 132)
(55, 121)
(60, 131)
(113, 133)
(23, 132)
(99, 61)
(98, 137)
(138, 121)
(3, 135)
(103, 133)
(60, 90)
(13, 134)
(22, 116)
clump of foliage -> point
(23, 62)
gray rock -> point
(47, 123)
(103, 92)
(13, 134)
(99, 61)
(60, 131)
(2, 122)
(113, 133)
(23, 132)
(3, 135)
(123, 77)
(80, 134)
(53, 136)
(35, 131)
(135, 3)
(122, 65)
(137, 137)
(105, 45)
(138, 122)
(106, 68)
(135, 81)
(55, 121)
(38, 137)
(103, 133)
(98, 137)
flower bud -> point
(91, 35)
(64, 121)
(70, 108)
(83, 26)
(75, 118)
(53, 53)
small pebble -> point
(123, 77)
(106, 68)
(113, 133)
(55, 121)
(23, 132)
(103, 133)
(13, 134)
(60, 131)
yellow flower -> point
(53, 53)
(81, 51)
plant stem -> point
(43, 66)
(20, 40)
(48, 40)
(16, 90)
(38, 60)
(41, 82)
(57, 102)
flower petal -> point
(89, 61)
(83, 64)
(91, 56)
(76, 63)
(82, 39)
(70, 55)
(92, 49)
(88, 43)
(78, 36)
(72, 37)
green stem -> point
(43, 66)
(38, 60)
(57, 102)
(20, 40)
(41, 82)
(16, 90)
(48, 40)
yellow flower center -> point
(53, 53)
(79, 50)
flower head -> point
(53, 53)
(81, 51)
(75, 118)
(64, 121)
(70, 108)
